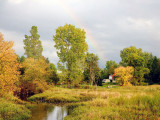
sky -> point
(110, 25)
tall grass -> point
(99, 103)
(11, 108)
(142, 103)
(122, 108)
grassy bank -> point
(12, 108)
(64, 95)
(127, 103)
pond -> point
(49, 112)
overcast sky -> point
(111, 25)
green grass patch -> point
(63, 95)
(12, 108)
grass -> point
(91, 103)
(63, 95)
(12, 108)
(103, 103)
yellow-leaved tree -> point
(8, 66)
(36, 72)
(124, 75)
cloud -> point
(15, 1)
(49, 51)
(16, 38)
(113, 24)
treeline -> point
(33, 73)
(25, 76)
(136, 68)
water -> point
(49, 112)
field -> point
(105, 103)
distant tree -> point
(92, 69)
(124, 75)
(148, 58)
(104, 74)
(47, 60)
(54, 76)
(21, 59)
(126, 52)
(110, 66)
(98, 79)
(71, 45)
(154, 75)
(33, 47)
(109, 69)
(134, 57)
(63, 77)
(9, 66)
(86, 76)
(110, 63)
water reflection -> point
(49, 112)
(58, 113)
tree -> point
(154, 76)
(9, 66)
(126, 52)
(21, 59)
(33, 47)
(104, 74)
(36, 73)
(92, 69)
(110, 66)
(71, 45)
(54, 76)
(109, 69)
(134, 57)
(124, 75)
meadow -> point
(106, 103)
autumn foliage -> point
(8, 66)
(124, 75)
(36, 72)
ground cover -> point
(12, 108)
(135, 102)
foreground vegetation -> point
(140, 102)
(12, 108)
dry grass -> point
(139, 102)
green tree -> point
(21, 59)
(109, 69)
(71, 45)
(126, 52)
(33, 47)
(134, 57)
(110, 66)
(154, 76)
(104, 74)
(92, 69)
(54, 76)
